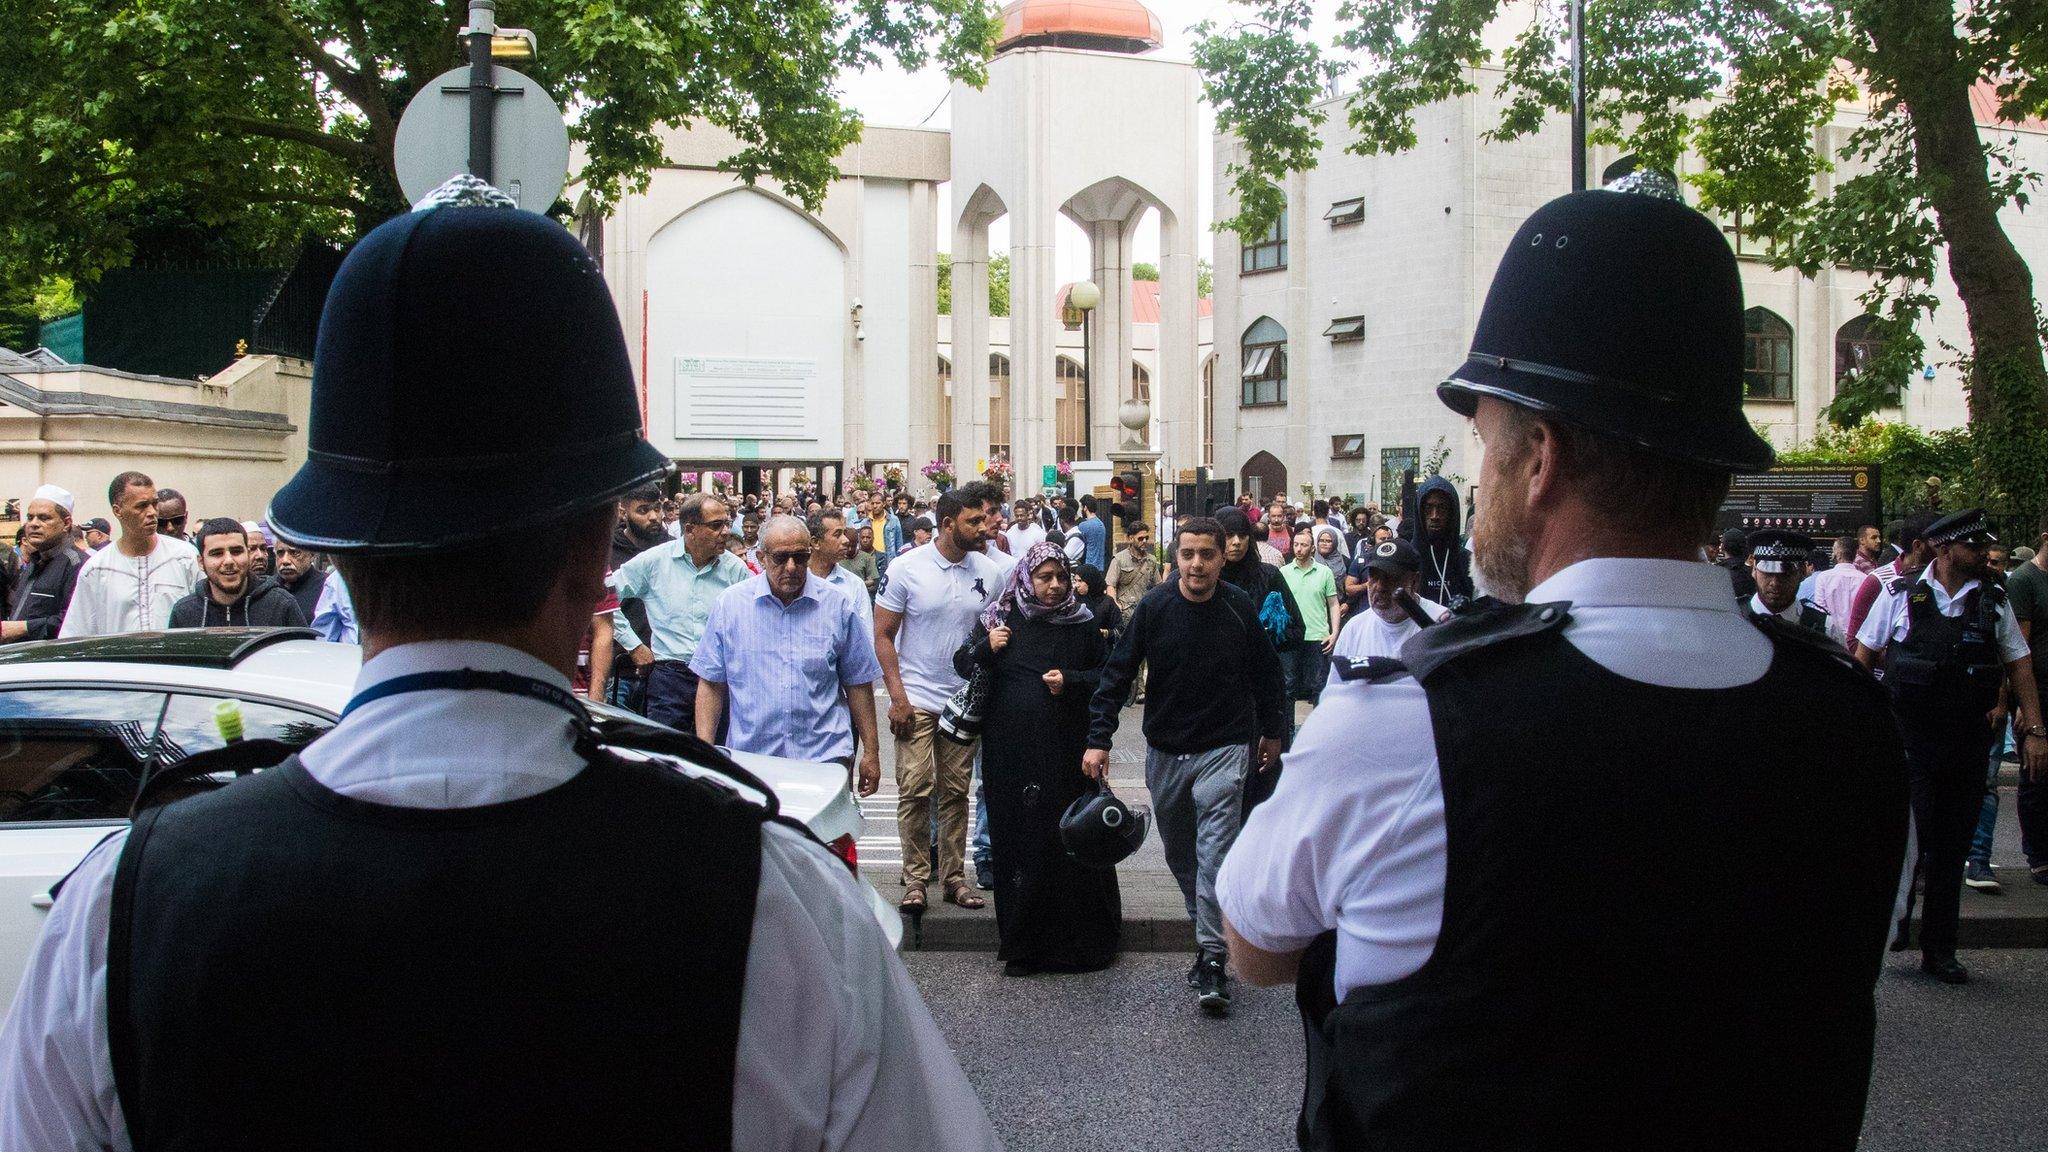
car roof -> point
(286, 664)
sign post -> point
(1818, 500)
(487, 120)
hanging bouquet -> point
(893, 475)
(719, 481)
(997, 470)
(863, 483)
(939, 472)
(1064, 469)
(687, 479)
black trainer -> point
(1195, 970)
(1214, 985)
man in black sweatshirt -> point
(1214, 687)
(229, 594)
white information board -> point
(743, 398)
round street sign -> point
(529, 140)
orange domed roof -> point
(1103, 25)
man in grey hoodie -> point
(230, 594)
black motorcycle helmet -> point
(1101, 831)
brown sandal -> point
(913, 899)
(961, 894)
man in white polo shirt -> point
(925, 611)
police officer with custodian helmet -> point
(454, 920)
(1562, 921)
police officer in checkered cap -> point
(1778, 562)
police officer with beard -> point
(1777, 561)
(1548, 897)
(456, 920)
(1948, 641)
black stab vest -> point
(290, 968)
(1627, 960)
(1947, 670)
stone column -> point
(1034, 344)
(1109, 346)
(924, 328)
(970, 346)
(1177, 389)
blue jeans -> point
(1987, 819)
(983, 857)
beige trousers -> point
(931, 769)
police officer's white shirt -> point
(836, 1050)
(1353, 836)
(1888, 618)
(1367, 633)
(1790, 615)
(938, 600)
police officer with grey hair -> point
(1540, 938)
(459, 919)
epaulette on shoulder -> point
(1807, 639)
(1371, 670)
(1486, 623)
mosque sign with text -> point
(1820, 500)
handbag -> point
(960, 720)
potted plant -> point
(940, 473)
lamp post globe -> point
(1085, 296)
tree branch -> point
(354, 151)
(348, 204)
(1776, 13)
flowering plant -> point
(893, 475)
(719, 481)
(863, 483)
(1064, 469)
(687, 479)
(939, 472)
(997, 470)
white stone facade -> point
(1417, 267)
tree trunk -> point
(2007, 382)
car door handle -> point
(42, 900)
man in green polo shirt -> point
(1307, 661)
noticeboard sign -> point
(1821, 500)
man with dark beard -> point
(1525, 934)
(640, 528)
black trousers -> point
(1945, 769)
(672, 697)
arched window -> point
(998, 405)
(1264, 373)
(1070, 411)
(1857, 346)
(1767, 364)
(1141, 382)
(945, 446)
(1207, 418)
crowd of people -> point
(1523, 901)
(152, 569)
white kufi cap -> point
(55, 495)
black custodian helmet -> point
(1101, 831)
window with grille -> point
(1767, 365)
(1269, 252)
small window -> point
(1345, 329)
(75, 753)
(1346, 211)
(1747, 244)
(1269, 252)
(189, 726)
(1351, 447)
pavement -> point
(1122, 1060)
(1155, 916)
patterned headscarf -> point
(1017, 593)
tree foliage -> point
(1746, 86)
(998, 284)
(264, 121)
(1908, 458)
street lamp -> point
(1085, 297)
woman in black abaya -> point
(1043, 650)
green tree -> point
(1205, 278)
(274, 119)
(1144, 271)
(1744, 85)
(998, 284)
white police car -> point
(83, 724)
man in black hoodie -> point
(640, 528)
(1434, 530)
(229, 594)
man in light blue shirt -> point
(831, 542)
(1094, 535)
(677, 582)
(790, 662)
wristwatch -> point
(2040, 730)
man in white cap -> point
(49, 568)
